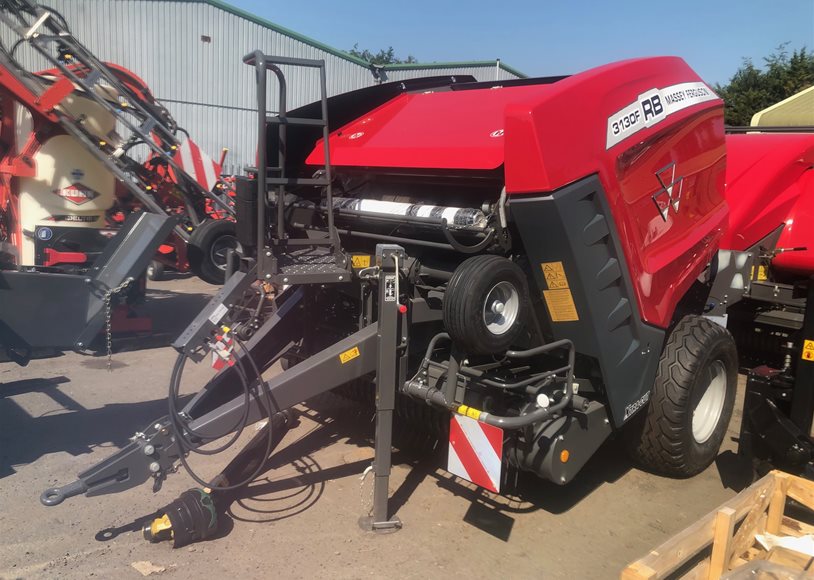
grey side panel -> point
(573, 225)
(45, 309)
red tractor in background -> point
(86, 155)
(84, 144)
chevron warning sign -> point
(475, 452)
(197, 164)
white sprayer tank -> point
(71, 187)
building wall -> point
(204, 84)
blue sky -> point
(555, 37)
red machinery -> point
(70, 132)
(526, 260)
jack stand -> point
(387, 373)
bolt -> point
(148, 449)
(268, 254)
(80, 344)
(341, 278)
(607, 421)
(157, 426)
(155, 467)
(285, 280)
(268, 276)
(561, 437)
(87, 280)
(562, 479)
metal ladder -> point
(143, 123)
(282, 259)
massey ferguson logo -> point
(669, 196)
(77, 193)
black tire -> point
(155, 271)
(663, 437)
(206, 250)
(465, 308)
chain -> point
(108, 298)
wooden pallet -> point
(724, 539)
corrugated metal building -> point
(189, 52)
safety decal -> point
(218, 313)
(475, 452)
(653, 107)
(360, 261)
(554, 275)
(558, 297)
(762, 275)
(560, 304)
(808, 350)
(349, 355)
(45, 234)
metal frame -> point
(280, 258)
(778, 406)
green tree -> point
(752, 89)
(384, 56)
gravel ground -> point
(62, 414)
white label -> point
(218, 314)
(636, 405)
(390, 288)
(652, 107)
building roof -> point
(341, 53)
(796, 111)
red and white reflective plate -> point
(475, 452)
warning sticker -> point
(561, 305)
(808, 350)
(762, 276)
(360, 261)
(554, 275)
(349, 355)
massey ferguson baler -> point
(528, 261)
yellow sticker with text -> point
(561, 307)
(808, 350)
(360, 261)
(762, 276)
(554, 275)
(349, 355)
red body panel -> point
(547, 136)
(770, 181)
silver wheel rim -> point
(220, 248)
(710, 407)
(501, 308)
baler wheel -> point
(681, 430)
(485, 304)
(207, 249)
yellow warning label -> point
(808, 350)
(360, 261)
(561, 305)
(469, 412)
(554, 275)
(762, 275)
(349, 355)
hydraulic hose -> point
(182, 431)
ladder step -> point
(295, 121)
(321, 181)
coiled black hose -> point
(182, 431)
